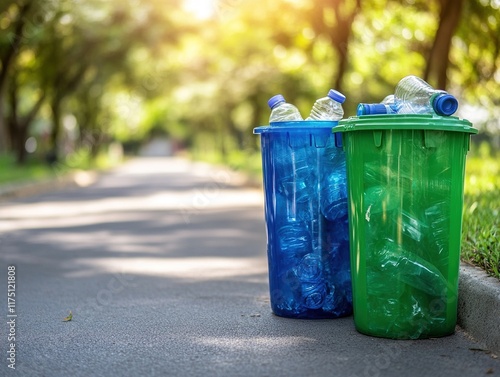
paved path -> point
(163, 265)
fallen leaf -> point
(69, 317)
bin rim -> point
(297, 126)
(405, 122)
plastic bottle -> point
(438, 218)
(417, 97)
(313, 289)
(387, 106)
(294, 242)
(313, 294)
(374, 108)
(282, 111)
(329, 107)
(410, 269)
(310, 268)
(333, 193)
(388, 100)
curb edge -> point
(479, 306)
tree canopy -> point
(75, 72)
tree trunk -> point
(341, 67)
(4, 134)
(345, 12)
(438, 61)
(18, 124)
(55, 106)
(6, 61)
(17, 130)
(341, 34)
(21, 135)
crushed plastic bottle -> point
(412, 227)
(379, 200)
(294, 241)
(410, 269)
(310, 268)
(333, 183)
(282, 111)
(334, 193)
(310, 273)
(329, 107)
(415, 96)
(437, 217)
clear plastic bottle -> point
(388, 100)
(387, 106)
(410, 269)
(329, 107)
(333, 193)
(310, 268)
(374, 109)
(417, 97)
(313, 288)
(294, 241)
(282, 111)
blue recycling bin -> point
(305, 198)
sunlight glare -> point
(201, 9)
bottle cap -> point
(445, 104)
(371, 109)
(275, 100)
(336, 96)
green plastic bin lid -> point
(406, 121)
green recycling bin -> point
(405, 177)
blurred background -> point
(79, 78)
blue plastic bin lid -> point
(317, 130)
(314, 126)
(336, 96)
(275, 100)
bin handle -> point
(429, 139)
(377, 138)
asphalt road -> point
(163, 265)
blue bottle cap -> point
(336, 96)
(371, 109)
(361, 109)
(445, 104)
(275, 100)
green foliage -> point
(481, 231)
(481, 221)
(475, 59)
(483, 171)
(32, 170)
(127, 71)
(36, 169)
